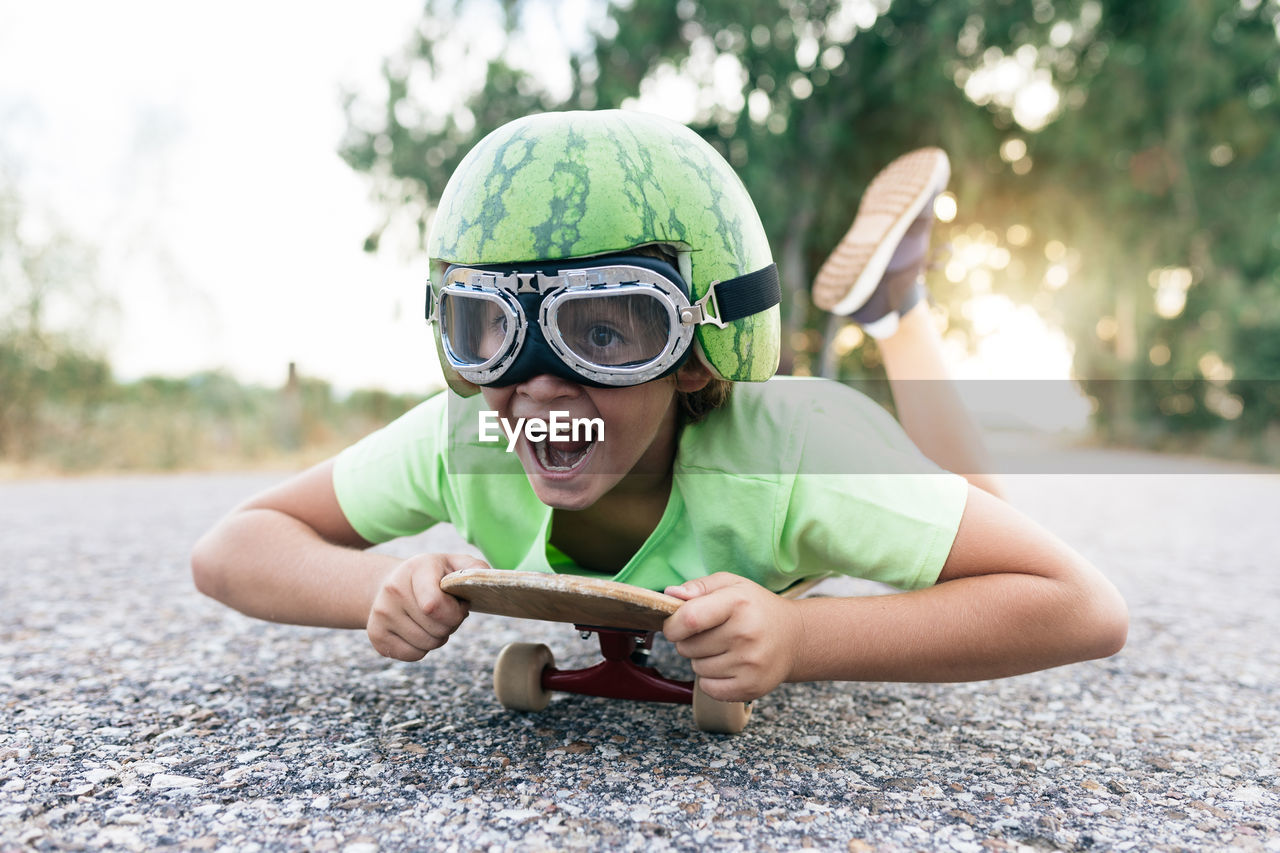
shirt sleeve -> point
(392, 483)
(866, 502)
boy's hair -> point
(694, 405)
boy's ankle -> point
(898, 293)
(909, 326)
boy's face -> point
(639, 434)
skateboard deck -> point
(561, 598)
(623, 617)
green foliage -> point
(1160, 172)
(208, 420)
(46, 276)
(62, 410)
(1138, 214)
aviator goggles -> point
(615, 321)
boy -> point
(608, 268)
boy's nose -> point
(547, 386)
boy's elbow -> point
(1118, 627)
(1110, 623)
(206, 566)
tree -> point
(47, 293)
(1112, 162)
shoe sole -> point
(894, 199)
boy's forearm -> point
(963, 630)
(271, 566)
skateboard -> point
(624, 618)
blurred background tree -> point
(49, 305)
(1113, 162)
(61, 409)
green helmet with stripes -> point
(571, 185)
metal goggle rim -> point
(513, 339)
(591, 283)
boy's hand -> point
(741, 638)
(410, 615)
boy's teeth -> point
(554, 459)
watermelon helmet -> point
(540, 222)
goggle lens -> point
(478, 326)
(620, 330)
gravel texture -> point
(135, 714)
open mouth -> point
(562, 457)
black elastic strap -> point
(748, 294)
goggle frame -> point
(568, 284)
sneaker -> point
(875, 274)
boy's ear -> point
(693, 376)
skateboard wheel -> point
(517, 676)
(712, 715)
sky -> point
(194, 147)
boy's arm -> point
(1011, 598)
(290, 555)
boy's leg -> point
(876, 276)
(928, 403)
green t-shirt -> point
(793, 478)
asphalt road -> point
(135, 714)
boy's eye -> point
(602, 336)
